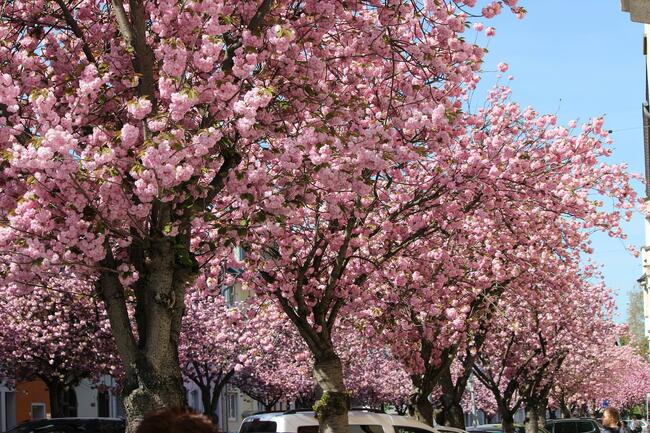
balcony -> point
(639, 10)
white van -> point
(360, 421)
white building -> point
(7, 405)
(98, 400)
(640, 12)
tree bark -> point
(153, 384)
(421, 408)
(507, 421)
(153, 378)
(454, 416)
(56, 392)
(334, 403)
(541, 414)
(531, 424)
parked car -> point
(360, 421)
(72, 425)
(572, 425)
(644, 424)
(497, 428)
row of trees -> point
(556, 350)
(331, 140)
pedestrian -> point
(176, 421)
(611, 420)
(625, 428)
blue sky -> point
(580, 59)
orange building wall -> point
(27, 393)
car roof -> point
(41, 423)
(291, 421)
(78, 418)
(498, 427)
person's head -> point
(624, 423)
(176, 421)
(611, 418)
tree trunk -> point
(541, 414)
(150, 386)
(454, 416)
(566, 412)
(421, 408)
(531, 423)
(206, 400)
(56, 392)
(334, 403)
(153, 378)
(217, 389)
(507, 421)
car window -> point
(353, 428)
(586, 427)
(565, 427)
(359, 428)
(258, 426)
(408, 429)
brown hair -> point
(611, 418)
(176, 421)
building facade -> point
(639, 11)
(7, 405)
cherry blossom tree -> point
(373, 377)
(278, 364)
(214, 340)
(440, 295)
(57, 334)
(124, 124)
(140, 141)
(601, 371)
(533, 337)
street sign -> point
(605, 404)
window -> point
(564, 427)
(38, 411)
(233, 402)
(257, 426)
(378, 429)
(586, 427)
(362, 428)
(229, 296)
(239, 254)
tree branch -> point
(69, 19)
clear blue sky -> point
(580, 59)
